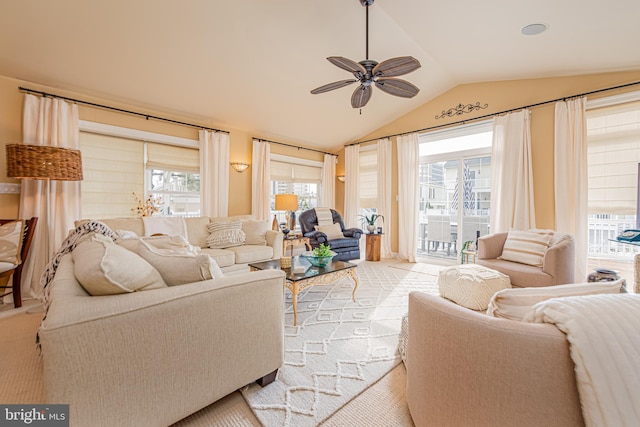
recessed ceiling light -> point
(533, 29)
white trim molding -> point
(9, 188)
(140, 135)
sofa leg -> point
(267, 379)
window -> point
(452, 213)
(173, 175)
(295, 176)
(613, 162)
(117, 163)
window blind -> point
(613, 136)
(113, 169)
(173, 158)
(290, 172)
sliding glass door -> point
(455, 190)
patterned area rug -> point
(339, 347)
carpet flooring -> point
(381, 403)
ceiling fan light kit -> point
(371, 73)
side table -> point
(468, 256)
(294, 241)
(373, 246)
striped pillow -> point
(526, 247)
(225, 234)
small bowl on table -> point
(317, 261)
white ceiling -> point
(250, 64)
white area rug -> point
(339, 347)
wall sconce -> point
(341, 178)
(239, 166)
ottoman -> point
(471, 285)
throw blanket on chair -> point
(604, 337)
(324, 216)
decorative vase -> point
(371, 228)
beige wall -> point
(501, 96)
(11, 101)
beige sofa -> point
(468, 369)
(153, 357)
(230, 259)
(558, 264)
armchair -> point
(558, 264)
(15, 270)
(346, 247)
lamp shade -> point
(43, 162)
(286, 202)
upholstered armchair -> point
(558, 262)
(345, 242)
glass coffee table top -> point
(309, 270)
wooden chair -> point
(27, 237)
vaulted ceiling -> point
(251, 64)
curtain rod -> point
(294, 146)
(120, 110)
(498, 113)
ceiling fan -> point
(369, 72)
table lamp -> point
(288, 203)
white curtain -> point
(408, 195)
(214, 173)
(261, 179)
(352, 186)
(53, 122)
(570, 172)
(328, 197)
(512, 205)
(384, 193)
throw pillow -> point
(105, 268)
(225, 234)
(255, 232)
(177, 266)
(332, 231)
(11, 241)
(526, 247)
(517, 303)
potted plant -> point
(320, 256)
(370, 221)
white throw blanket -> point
(604, 336)
(324, 216)
(171, 226)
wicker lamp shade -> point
(43, 162)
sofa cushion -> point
(197, 230)
(224, 257)
(11, 241)
(177, 265)
(517, 303)
(252, 253)
(332, 231)
(526, 247)
(225, 234)
(255, 231)
(105, 268)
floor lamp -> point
(43, 162)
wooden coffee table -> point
(312, 276)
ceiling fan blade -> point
(361, 96)
(348, 65)
(396, 66)
(397, 87)
(332, 86)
